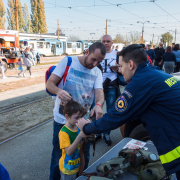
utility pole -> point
(158, 41)
(175, 35)
(153, 40)
(106, 26)
(142, 33)
(143, 28)
(17, 26)
(126, 40)
(58, 28)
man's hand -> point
(97, 112)
(81, 122)
(63, 95)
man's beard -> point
(85, 62)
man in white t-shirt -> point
(110, 83)
(83, 84)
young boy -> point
(38, 58)
(69, 140)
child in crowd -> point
(2, 69)
(20, 66)
(69, 140)
(38, 58)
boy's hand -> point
(80, 124)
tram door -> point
(53, 49)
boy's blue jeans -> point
(57, 153)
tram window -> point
(86, 45)
(41, 45)
(69, 45)
(78, 45)
(47, 45)
(38, 45)
(31, 45)
(25, 43)
(58, 45)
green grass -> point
(55, 62)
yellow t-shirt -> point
(69, 164)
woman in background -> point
(169, 60)
(176, 51)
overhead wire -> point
(165, 11)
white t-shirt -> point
(80, 84)
(109, 60)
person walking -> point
(151, 95)
(33, 56)
(20, 64)
(83, 83)
(38, 58)
(2, 69)
(159, 51)
(28, 61)
(169, 60)
(176, 52)
(110, 82)
(150, 52)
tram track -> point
(21, 104)
(25, 131)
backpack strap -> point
(66, 71)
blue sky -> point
(87, 18)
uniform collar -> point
(141, 66)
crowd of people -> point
(28, 59)
(166, 59)
(91, 80)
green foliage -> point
(38, 18)
(2, 13)
(12, 15)
(27, 20)
(167, 38)
(118, 39)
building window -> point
(86, 45)
(69, 45)
(47, 45)
(58, 45)
(78, 45)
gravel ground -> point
(20, 119)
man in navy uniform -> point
(156, 101)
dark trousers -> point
(156, 63)
(178, 175)
(38, 61)
(177, 69)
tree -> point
(27, 20)
(167, 38)
(73, 38)
(38, 17)
(118, 39)
(12, 15)
(135, 38)
(2, 13)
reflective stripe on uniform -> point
(170, 156)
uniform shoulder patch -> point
(127, 93)
(121, 104)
